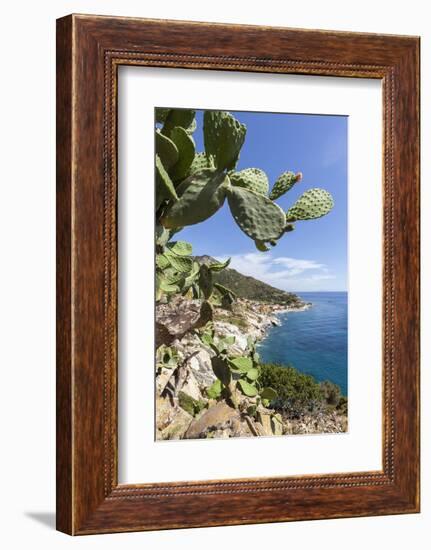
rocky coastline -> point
(183, 409)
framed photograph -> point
(237, 274)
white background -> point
(27, 208)
(141, 458)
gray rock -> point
(175, 319)
(202, 369)
(217, 418)
(172, 421)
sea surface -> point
(313, 341)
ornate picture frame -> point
(89, 51)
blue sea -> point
(313, 341)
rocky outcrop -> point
(183, 409)
(179, 317)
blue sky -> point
(314, 256)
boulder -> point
(264, 419)
(191, 386)
(223, 329)
(175, 319)
(200, 364)
(218, 418)
(171, 420)
(162, 379)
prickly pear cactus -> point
(256, 215)
(165, 189)
(313, 204)
(253, 179)
(167, 150)
(223, 137)
(200, 162)
(284, 183)
(161, 114)
(180, 248)
(178, 117)
(201, 195)
(192, 128)
(186, 153)
(182, 264)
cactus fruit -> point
(167, 150)
(201, 195)
(165, 189)
(223, 138)
(200, 162)
(313, 204)
(259, 217)
(186, 149)
(178, 117)
(251, 178)
(284, 183)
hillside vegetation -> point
(249, 287)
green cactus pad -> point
(162, 284)
(201, 195)
(173, 277)
(221, 370)
(268, 393)
(190, 279)
(205, 281)
(178, 117)
(223, 138)
(167, 150)
(161, 114)
(259, 217)
(192, 127)
(162, 261)
(165, 189)
(200, 162)
(313, 204)
(225, 291)
(219, 266)
(284, 183)
(184, 264)
(251, 178)
(186, 150)
(214, 391)
(253, 374)
(181, 248)
(247, 389)
(241, 364)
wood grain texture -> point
(90, 49)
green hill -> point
(251, 288)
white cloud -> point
(282, 272)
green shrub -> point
(299, 393)
(330, 392)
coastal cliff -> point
(184, 372)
